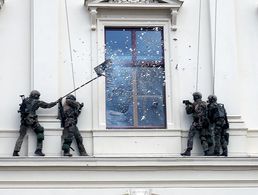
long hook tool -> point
(100, 70)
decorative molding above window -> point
(1, 3)
(172, 5)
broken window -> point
(135, 83)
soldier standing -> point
(69, 113)
(200, 123)
(29, 119)
(218, 117)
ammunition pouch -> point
(70, 122)
(30, 119)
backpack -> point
(25, 106)
(221, 112)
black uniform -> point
(29, 119)
(218, 117)
(200, 123)
(69, 115)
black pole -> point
(81, 86)
(100, 69)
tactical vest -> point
(25, 106)
(200, 110)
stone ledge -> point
(125, 172)
(133, 162)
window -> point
(135, 83)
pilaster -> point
(226, 71)
(45, 70)
(45, 49)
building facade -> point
(133, 123)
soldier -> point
(69, 114)
(29, 119)
(218, 117)
(200, 123)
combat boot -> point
(16, 153)
(67, 154)
(206, 153)
(224, 153)
(216, 153)
(84, 153)
(39, 152)
(186, 153)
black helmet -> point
(197, 95)
(34, 94)
(71, 97)
(212, 98)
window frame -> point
(133, 64)
(99, 87)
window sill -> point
(136, 132)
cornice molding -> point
(204, 163)
(134, 3)
(91, 172)
(172, 5)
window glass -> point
(135, 83)
(149, 45)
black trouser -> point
(37, 128)
(220, 136)
(68, 134)
(195, 127)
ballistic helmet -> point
(197, 95)
(34, 94)
(212, 98)
(71, 97)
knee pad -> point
(40, 136)
(65, 147)
(39, 129)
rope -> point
(70, 45)
(198, 49)
(215, 44)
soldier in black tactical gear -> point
(218, 118)
(200, 123)
(68, 113)
(29, 119)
